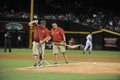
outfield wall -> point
(102, 39)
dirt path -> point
(81, 67)
(71, 58)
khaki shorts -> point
(36, 48)
(57, 48)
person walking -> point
(41, 35)
(59, 41)
(88, 43)
(7, 42)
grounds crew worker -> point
(41, 34)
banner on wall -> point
(110, 42)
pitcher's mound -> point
(82, 67)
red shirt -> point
(57, 35)
(71, 42)
(44, 32)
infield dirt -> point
(84, 65)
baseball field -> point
(100, 65)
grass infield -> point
(8, 72)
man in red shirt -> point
(59, 41)
(41, 35)
(71, 41)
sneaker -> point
(39, 63)
(66, 62)
(10, 51)
(55, 63)
(35, 64)
(83, 52)
(90, 52)
(4, 51)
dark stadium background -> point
(72, 11)
(79, 5)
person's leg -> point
(9, 45)
(86, 46)
(41, 54)
(35, 59)
(65, 57)
(55, 52)
(63, 50)
(55, 58)
(40, 57)
(5, 46)
(90, 49)
(20, 43)
(35, 53)
(40, 60)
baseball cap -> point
(43, 22)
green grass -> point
(95, 53)
(8, 64)
(55, 76)
(8, 72)
(24, 51)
